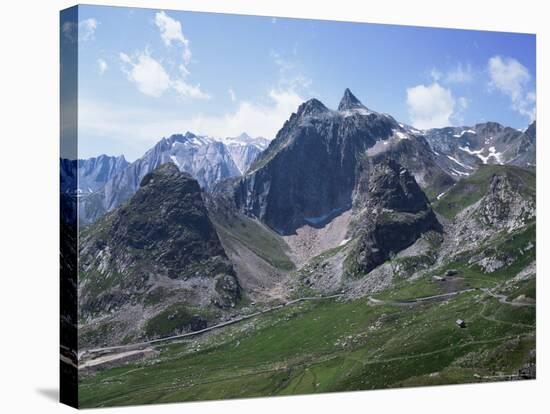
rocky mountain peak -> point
(165, 173)
(398, 213)
(488, 128)
(244, 136)
(531, 131)
(161, 240)
(163, 230)
(504, 206)
(312, 107)
(392, 187)
(349, 101)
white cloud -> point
(256, 119)
(102, 66)
(459, 74)
(152, 79)
(170, 31)
(188, 91)
(86, 29)
(511, 78)
(148, 74)
(146, 126)
(232, 95)
(430, 106)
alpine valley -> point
(350, 252)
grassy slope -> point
(471, 189)
(257, 238)
(329, 346)
(509, 244)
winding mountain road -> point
(418, 300)
(119, 351)
(129, 347)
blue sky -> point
(146, 73)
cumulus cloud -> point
(257, 119)
(146, 126)
(148, 74)
(430, 106)
(511, 78)
(170, 32)
(102, 66)
(86, 29)
(152, 79)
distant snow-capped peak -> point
(245, 139)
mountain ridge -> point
(208, 159)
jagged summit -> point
(244, 136)
(312, 107)
(349, 101)
(166, 171)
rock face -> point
(504, 207)
(161, 239)
(208, 160)
(309, 172)
(395, 214)
(526, 154)
(93, 173)
(349, 102)
(84, 176)
(392, 187)
(167, 219)
(461, 150)
(243, 156)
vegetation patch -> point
(177, 318)
(471, 189)
(258, 239)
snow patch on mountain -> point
(492, 153)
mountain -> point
(526, 154)
(93, 173)
(208, 160)
(396, 213)
(158, 253)
(68, 176)
(245, 149)
(88, 175)
(348, 216)
(461, 150)
(310, 171)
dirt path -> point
(418, 300)
(503, 299)
(87, 355)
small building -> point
(439, 278)
(460, 323)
